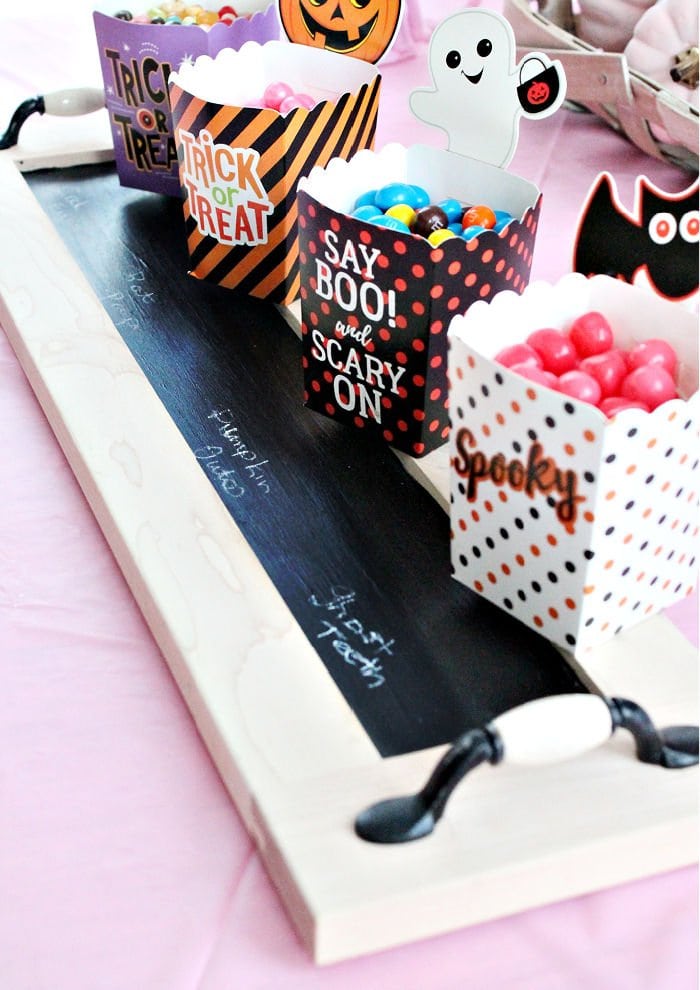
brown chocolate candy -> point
(428, 219)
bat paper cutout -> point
(659, 239)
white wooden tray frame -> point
(292, 754)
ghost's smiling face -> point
(471, 57)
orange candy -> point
(479, 216)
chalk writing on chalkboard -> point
(233, 464)
(210, 456)
(351, 639)
(118, 306)
(253, 467)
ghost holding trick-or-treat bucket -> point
(479, 92)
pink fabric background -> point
(123, 863)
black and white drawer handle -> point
(60, 103)
(544, 731)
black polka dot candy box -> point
(138, 49)
(574, 457)
(393, 244)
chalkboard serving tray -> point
(296, 579)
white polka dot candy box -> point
(578, 524)
(376, 300)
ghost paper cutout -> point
(479, 92)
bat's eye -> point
(690, 226)
(662, 228)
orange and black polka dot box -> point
(377, 296)
(578, 521)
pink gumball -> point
(653, 351)
(591, 334)
(608, 369)
(290, 103)
(579, 385)
(555, 348)
(306, 101)
(275, 93)
(650, 384)
(535, 374)
(615, 404)
(518, 354)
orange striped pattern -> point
(288, 148)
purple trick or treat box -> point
(136, 61)
(240, 161)
(376, 303)
(578, 524)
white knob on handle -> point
(73, 102)
(551, 729)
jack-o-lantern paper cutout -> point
(361, 28)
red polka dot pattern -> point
(629, 547)
(421, 289)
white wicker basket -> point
(653, 118)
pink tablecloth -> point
(123, 863)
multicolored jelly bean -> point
(410, 204)
(175, 13)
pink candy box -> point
(577, 524)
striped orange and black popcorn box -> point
(578, 523)
(240, 160)
(377, 302)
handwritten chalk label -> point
(120, 305)
(224, 191)
(231, 462)
(357, 644)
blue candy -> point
(470, 232)
(392, 194)
(453, 208)
(456, 228)
(367, 211)
(391, 222)
(502, 223)
(366, 198)
(421, 197)
(401, 192)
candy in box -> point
(577, 524)
(240, 161)
(136, 61)
(376, 303)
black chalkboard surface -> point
(358, 550)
